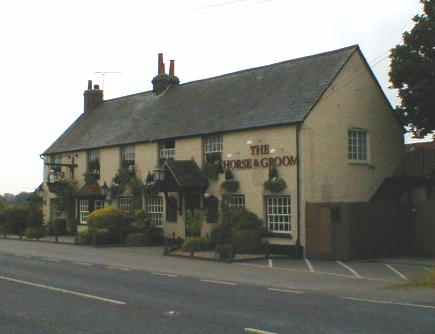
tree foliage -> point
(413, 73)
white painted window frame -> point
(278, 214)
(83, 211)
(155, 208)
(237, 201)
(358, 145)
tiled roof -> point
(281, 93)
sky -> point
(49, 49)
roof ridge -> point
(273, 64)
(244, 70)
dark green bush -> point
(83, 238)
(247, 241)
(241, 219)
(275, 185)
(57, 227)
(34, 217)
(110, 224)
(157, 236)
(196, 244)
(138, 239)
(225, 252)
(34, 232)
(230, 186)
(16, 218)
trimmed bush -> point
(225, 252)
(57, 227)
(110, 224)
(157, 236)
(196, 244)
(83, 238)
(16, 218)
(247, 241)
(34, 232)
(138, 239)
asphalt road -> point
(40, 297)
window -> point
(127, 155)
(83, 210)
(278, 214)
(237, 201)
(167, 150)
(213, 146)
(125, 203)
(154, 207)
(357, 145)
(94, 162)
(99, 204)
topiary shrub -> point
(83, 238)
(194, 222)
(138, 239)
(113, 222)
(35, 232)
(247, 241)
(275, 185)
(57, 227)
(196, 244)
(211, 170)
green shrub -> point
(242, 219)
(225, 251)
(156, 235)
(247, 241)
(34, 217)
(230, 186)
(194, 222)
(275, 185)
(138, 239)
(34, 232)
(196, 244)
(211, 170)
(57, 227)
(104, 236)
(16, 218)
(114, 222)
(83, 238)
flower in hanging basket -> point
(230, 186)
(275, 184)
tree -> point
(413, 73)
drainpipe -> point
(298, 193)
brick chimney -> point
(93, 97)
(162, 80)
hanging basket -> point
(275, 185)
(230, 186)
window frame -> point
(99, 204)
(165, 152)
(237, 201)
(273, 218)
(358, 146)
(155, 209)
(128, 155)
(127, 200)
(83, 211)
(213, 147)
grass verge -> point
(427, 281)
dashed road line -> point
(69, 292)
(375, 301)
(218, 282)
(285, 290)
(398, 273)
(353, 271)
(257, 331)
(309, 265)
(118, 268)
(270, 263)
(86, 264)
(165, 275)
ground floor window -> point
(154, 206)
(125, 203)
(83, 210)
(278, 214)
(237, 201)
(99, 204)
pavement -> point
(44, 295)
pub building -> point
(319, 129)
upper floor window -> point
(94, 162)
(237, 201)
(213, 146)
(167, 150)
(127, 155)
(357, 145)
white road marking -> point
(353, 271)
(309, 265)
(70, 292)
(285, 290)
(270, 263)
(257, 331)
(165, 275)
(218, 282)
(388, 302)
(83, 264)
(315, 272)
(118, 268)
(398, 273)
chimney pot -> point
(160, 64)
(89, 84)
(96, 87)
(172, 68)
